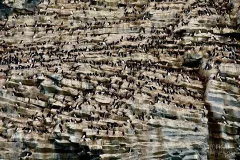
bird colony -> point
(119, 79)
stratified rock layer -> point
(119, 79)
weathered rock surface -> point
(119, 79)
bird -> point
(195, 129)
(84, 136)
(224, 110)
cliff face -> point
(119, 79)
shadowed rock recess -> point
(119, 79)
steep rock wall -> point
(119, 79)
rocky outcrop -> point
(119, 79)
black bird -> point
(195, 129)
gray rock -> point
(193, 58)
